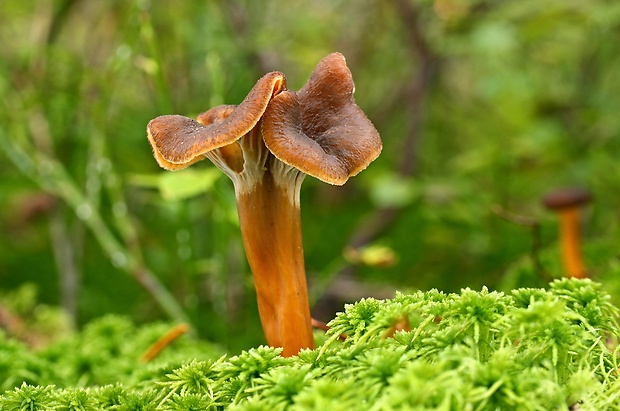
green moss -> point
(532, 349)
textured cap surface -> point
(179, 141)
(321, 130)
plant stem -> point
(164, 341)
(271, 230)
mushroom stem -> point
(570, 238)
(566, 202)
(271, 229)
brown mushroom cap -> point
(320, 130)
(566, 197)
(179, 141)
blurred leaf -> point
(372, 255)
(180, 185)
(494, 39)
(392, 190)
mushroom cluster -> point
(266, 145)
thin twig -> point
(65, 248)
(514, 218)
(427, 61)
(64, 255)
(319, 325)
(418, 90)
(535, 229)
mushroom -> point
(567, 202)
(266, 145)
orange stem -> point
(402, 324)
(271, 230)
(570, 237)
(154, 350)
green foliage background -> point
(480, 105)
